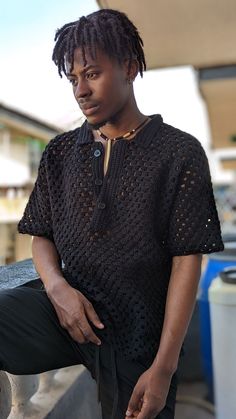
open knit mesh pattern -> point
(117, 234)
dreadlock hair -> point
(108, 30)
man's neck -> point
(119, 126)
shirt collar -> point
(143, 138)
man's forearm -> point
(47, 262)
(180, 302)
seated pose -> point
(121, 211)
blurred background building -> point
(22, 140)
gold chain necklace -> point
(110, 140)
(122, 137)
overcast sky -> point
(29, 79)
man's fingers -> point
(82, 333)
(134, 402)
(92, 315)
(88, 332)
(147, 413)
(77, 335)
(149, 410)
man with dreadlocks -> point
(121, 212)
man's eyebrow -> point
(86, 68)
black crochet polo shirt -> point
(117, 234)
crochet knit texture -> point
(117, 234)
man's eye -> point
(91, 76)
(73, 82)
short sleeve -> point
(37, 217)
(194, 224)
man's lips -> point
(89, 109)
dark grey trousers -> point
(32, 341)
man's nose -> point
(82, 89)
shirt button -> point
(97, 153)
(101, 205)
(98, 182)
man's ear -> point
(132, 69)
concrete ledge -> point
(66, 393)
(79, 402)
(70, 394)
(5, 396)
(19, 273)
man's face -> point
(100, 87)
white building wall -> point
(14, 161)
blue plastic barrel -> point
(215, 264)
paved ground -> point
(192, 392)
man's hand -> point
(149, 395)
(74, 310)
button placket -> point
(105, 192)
(101, 205)
(98, 182)
(97, 167)
(97, 152)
